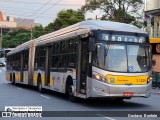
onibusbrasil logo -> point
(22, 111)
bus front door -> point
(48, 65)
(22, 67)
(83, 57)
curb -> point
(155, 91)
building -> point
(152, 14)
(25, 23)
(11, 22)
(6, 23)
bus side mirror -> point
(91, 44)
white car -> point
(2, 62)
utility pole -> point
(31, 33)
(1, 39)
(96, 17)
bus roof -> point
(111, 26)
(154, 40)
(20, 47)
(79, 29)
(87, 26)
(6, 48)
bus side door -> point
(48, 64)
(82, 69)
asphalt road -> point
(19, 95)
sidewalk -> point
(156, 90)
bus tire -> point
(70, 90)
(40, 89)
(10, 77)
(118, 99)
(13, 79)
(71, 96)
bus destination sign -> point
(123, 38)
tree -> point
(125, 11)
(49, 28)
(18, 36)
(15, 38)
(66, 18)
(38, 31)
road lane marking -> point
(109, 118)
(3, 82)
(0, 71)
(20, 88)
(45, 96)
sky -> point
(42, 11)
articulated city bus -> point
(90, 59)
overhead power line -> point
(38, 9)
(44, 11)
(38, 3)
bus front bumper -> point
(100, 89)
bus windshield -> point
(122, 58)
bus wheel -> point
(40, 89)
(10, 77)
(13, 80)
(71, 96)
(118, 99)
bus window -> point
(72, 61)
(62, 61)
(42, 53)
(26, 54)
(72, 45)
(57, 48)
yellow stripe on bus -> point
(17, 77)
(43, 79)
(8, 76)
(127, 80)
(51, 81)
(35, 79)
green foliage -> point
(38, 31)
(66, 18)
(18, 36)
(15, 38)
(137, 23)
(49, 28)
(116, 10)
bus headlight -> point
(100, 77)
(149, 79)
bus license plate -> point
(128, 94)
